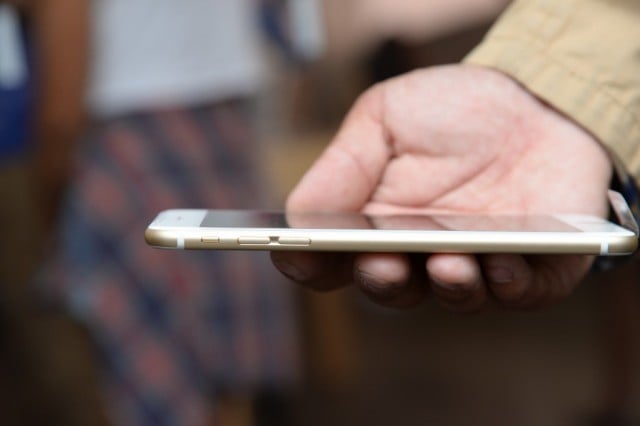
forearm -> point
(61, 39)
(581, 56)
(60, 30)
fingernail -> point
(500, 275)
(290, 270)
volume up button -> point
(254, 240)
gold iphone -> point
(264, 230)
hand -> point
(456, 139)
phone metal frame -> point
(364, 240)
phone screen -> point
(258, 219)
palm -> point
(493, 152)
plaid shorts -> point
(173, 328)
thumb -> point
(348, 171)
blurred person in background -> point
(16, 117)
(185, 338)
(47, 374)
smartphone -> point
(265, 230)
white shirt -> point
(13, 68)
(150, 53)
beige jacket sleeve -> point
(581, 56)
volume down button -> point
(294, 241)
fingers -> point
(318, 271)
(459, 282)
(464, 283)
(456, 281)
(512, 280)
(392, 279)
(388, 279)
(534, 281)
